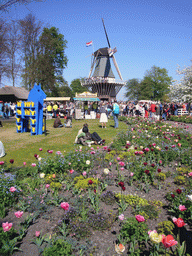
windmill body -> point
(102, 81)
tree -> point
(76, 86)
(30, 31)
(51, 59)
(182, 89)
(12, 52)
(156, 84)
(132, 89)
(7, 4)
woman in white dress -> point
(103, 114)
(2, 151)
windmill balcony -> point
(93, 80)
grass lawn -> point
(22, 146)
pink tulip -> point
(24, 163)
(105, 147)
(92, 152)
(122, 168)
(69, 163)
(131, 174)
(179, 144)
(92, 148)
(146, 149)
(58, 152)
(7, 226)
(173, 146)
(118, 158)
(33, 164)
(141, 152)
(1, 162)
(190, 174)
(37, 233)
(65, 206)
(84, 173)
(140, 218)
(12, 189)
(121, 163)
(71, 171)
(40, 149)
(47, 185)
(121, 217)
(182, 208)
(149, 232)
(18, 214)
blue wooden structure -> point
(29, 114)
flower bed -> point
(132, 197)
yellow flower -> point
(155, 238)
(119, 248)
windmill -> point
(103, 81)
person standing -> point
(115, 114)
(55, 108)
(103, 114)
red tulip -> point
(179, 222)
(168, 241)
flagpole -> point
(93, 47)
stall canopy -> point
(86, 96)
(57, 99)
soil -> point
(103, 241)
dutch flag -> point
(89, 43)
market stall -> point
(86, 105)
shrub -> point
(132, 200)
(60, 248)
(55, 185)
(161, 176)
(165, 227)
(179, 180)
(134, 231)
(84, 183)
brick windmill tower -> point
(103, 81)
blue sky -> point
(145, 32)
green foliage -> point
(60, 248)
(161, 176)
(134, 231)
(7, 198)
(8, 241)
(76, 86)
(84, 183)
(55, 185)
(51, 58)
(128, 154)
(132, 89)
(183, 170)
(110, 156)
(165, 227)
(132, 200)
(155, 85)
(120, 141)
(179, 180)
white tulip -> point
(42, 175)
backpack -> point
(116, 109)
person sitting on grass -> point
(57, 122)
(84, 137)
